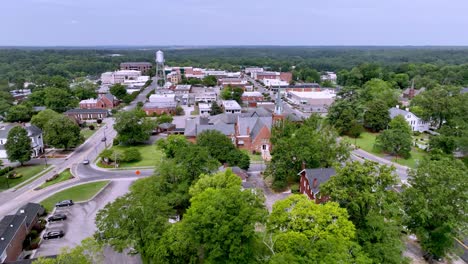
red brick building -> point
(86, 114)
(158, 108)
(310, 182)
(105, 101)
(252, 98)
(14, 229)
(144, 67)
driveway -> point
(80, 223)
(256, 179)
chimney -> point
(314, 185)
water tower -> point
(160, 73)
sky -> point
(233, 22)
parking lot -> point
(80, 224)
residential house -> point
(416, 123)
(34, 133)
(231, 106)
(80, 115)
(310, 182)
(106, 101)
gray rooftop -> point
(397, 111)
(31, 211)
(321, 174)
(9, 226)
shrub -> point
(139, 105)
(33, 234)
(91, 127)
(179, 110)
(99, 121)
(55, 176)
(14, 175)
(6, 170)
(295, 188)
(131, 155)
(115, 142)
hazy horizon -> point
(88, 23)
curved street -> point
(12, 199)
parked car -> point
(86, 162)
(53, 234)
(103, 139)
(64, 203)
(57, 217)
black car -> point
(57, 217)
(64, 203)
(53, 234)
(103, 139)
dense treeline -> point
(29, 64)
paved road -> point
(361, 155)
(11, 199)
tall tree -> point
(397, 139)
(299, 230)
(435, 204)
(59, 100)
(377, 89)
(216, 109)
(232, 93)
(133, 127)
(220, 225)
(119, 91)
(137, 219)
(18, 145)
(364, 191)
(376, 116)
(210, 80)
(19, 113)
(85, 90)
(40, 120)
(313, 143)
(62, 132)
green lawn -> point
(254, 157)
(78, 193)
(63, 176)
(150, 155)
(28, 172)
(417, 155)
(87, 133)
(366, 142)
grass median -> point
(63, 176)
(77, 193)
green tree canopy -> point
(62, 132)
(435, 204)
(364, 191)
(40, 119)
(19, 113)
(303, 230)
(18, 145)
(133, 127)
(397, 139)
(119, 91)
(377, 116)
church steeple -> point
(278, 103)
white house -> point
(205, 109)
(416, 123)
(34, 133)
